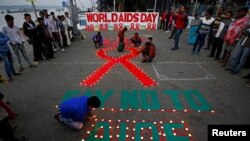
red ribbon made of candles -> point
(124, 60)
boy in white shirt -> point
(16, 41)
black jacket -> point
(30, 31)
(43, 34)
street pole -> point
(195, 7)
(74, 16)
(155, 5)
(33, 5)
(114, 5)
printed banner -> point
(105, 21)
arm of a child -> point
(152, 52)
(141, 48)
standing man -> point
(242, 53)
(203, 31)
(234, 33)
(215, 26)
(29, 29)
(70, 25)
(47, 20)
(163, 20)
(181, 17)
(218, 39)
(62, 30)
(121, 36)
(45, 39)
(55, 33)
(16, 41)
(6, 56)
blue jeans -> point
(8, 63)
(19, 47)
(200, 40)
(239, 59)
(177, 35)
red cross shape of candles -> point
(124, 60)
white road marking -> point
(161, 77)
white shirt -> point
(206, 25)
(13, 33)
(68, 21)
(48, 22)
(53, 26)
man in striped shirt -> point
(234, 33)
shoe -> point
(10, 79)
(17, 73)
(174, 48)
(55, 50)
(20, 69)
(247, 84)
(169, 37)
(36, 63)
(62, 49)
(210, 56)
(56, 116)
(33, 66)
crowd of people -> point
(221, 32)
(45, 36)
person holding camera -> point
(181, 18)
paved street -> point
(192, 92)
